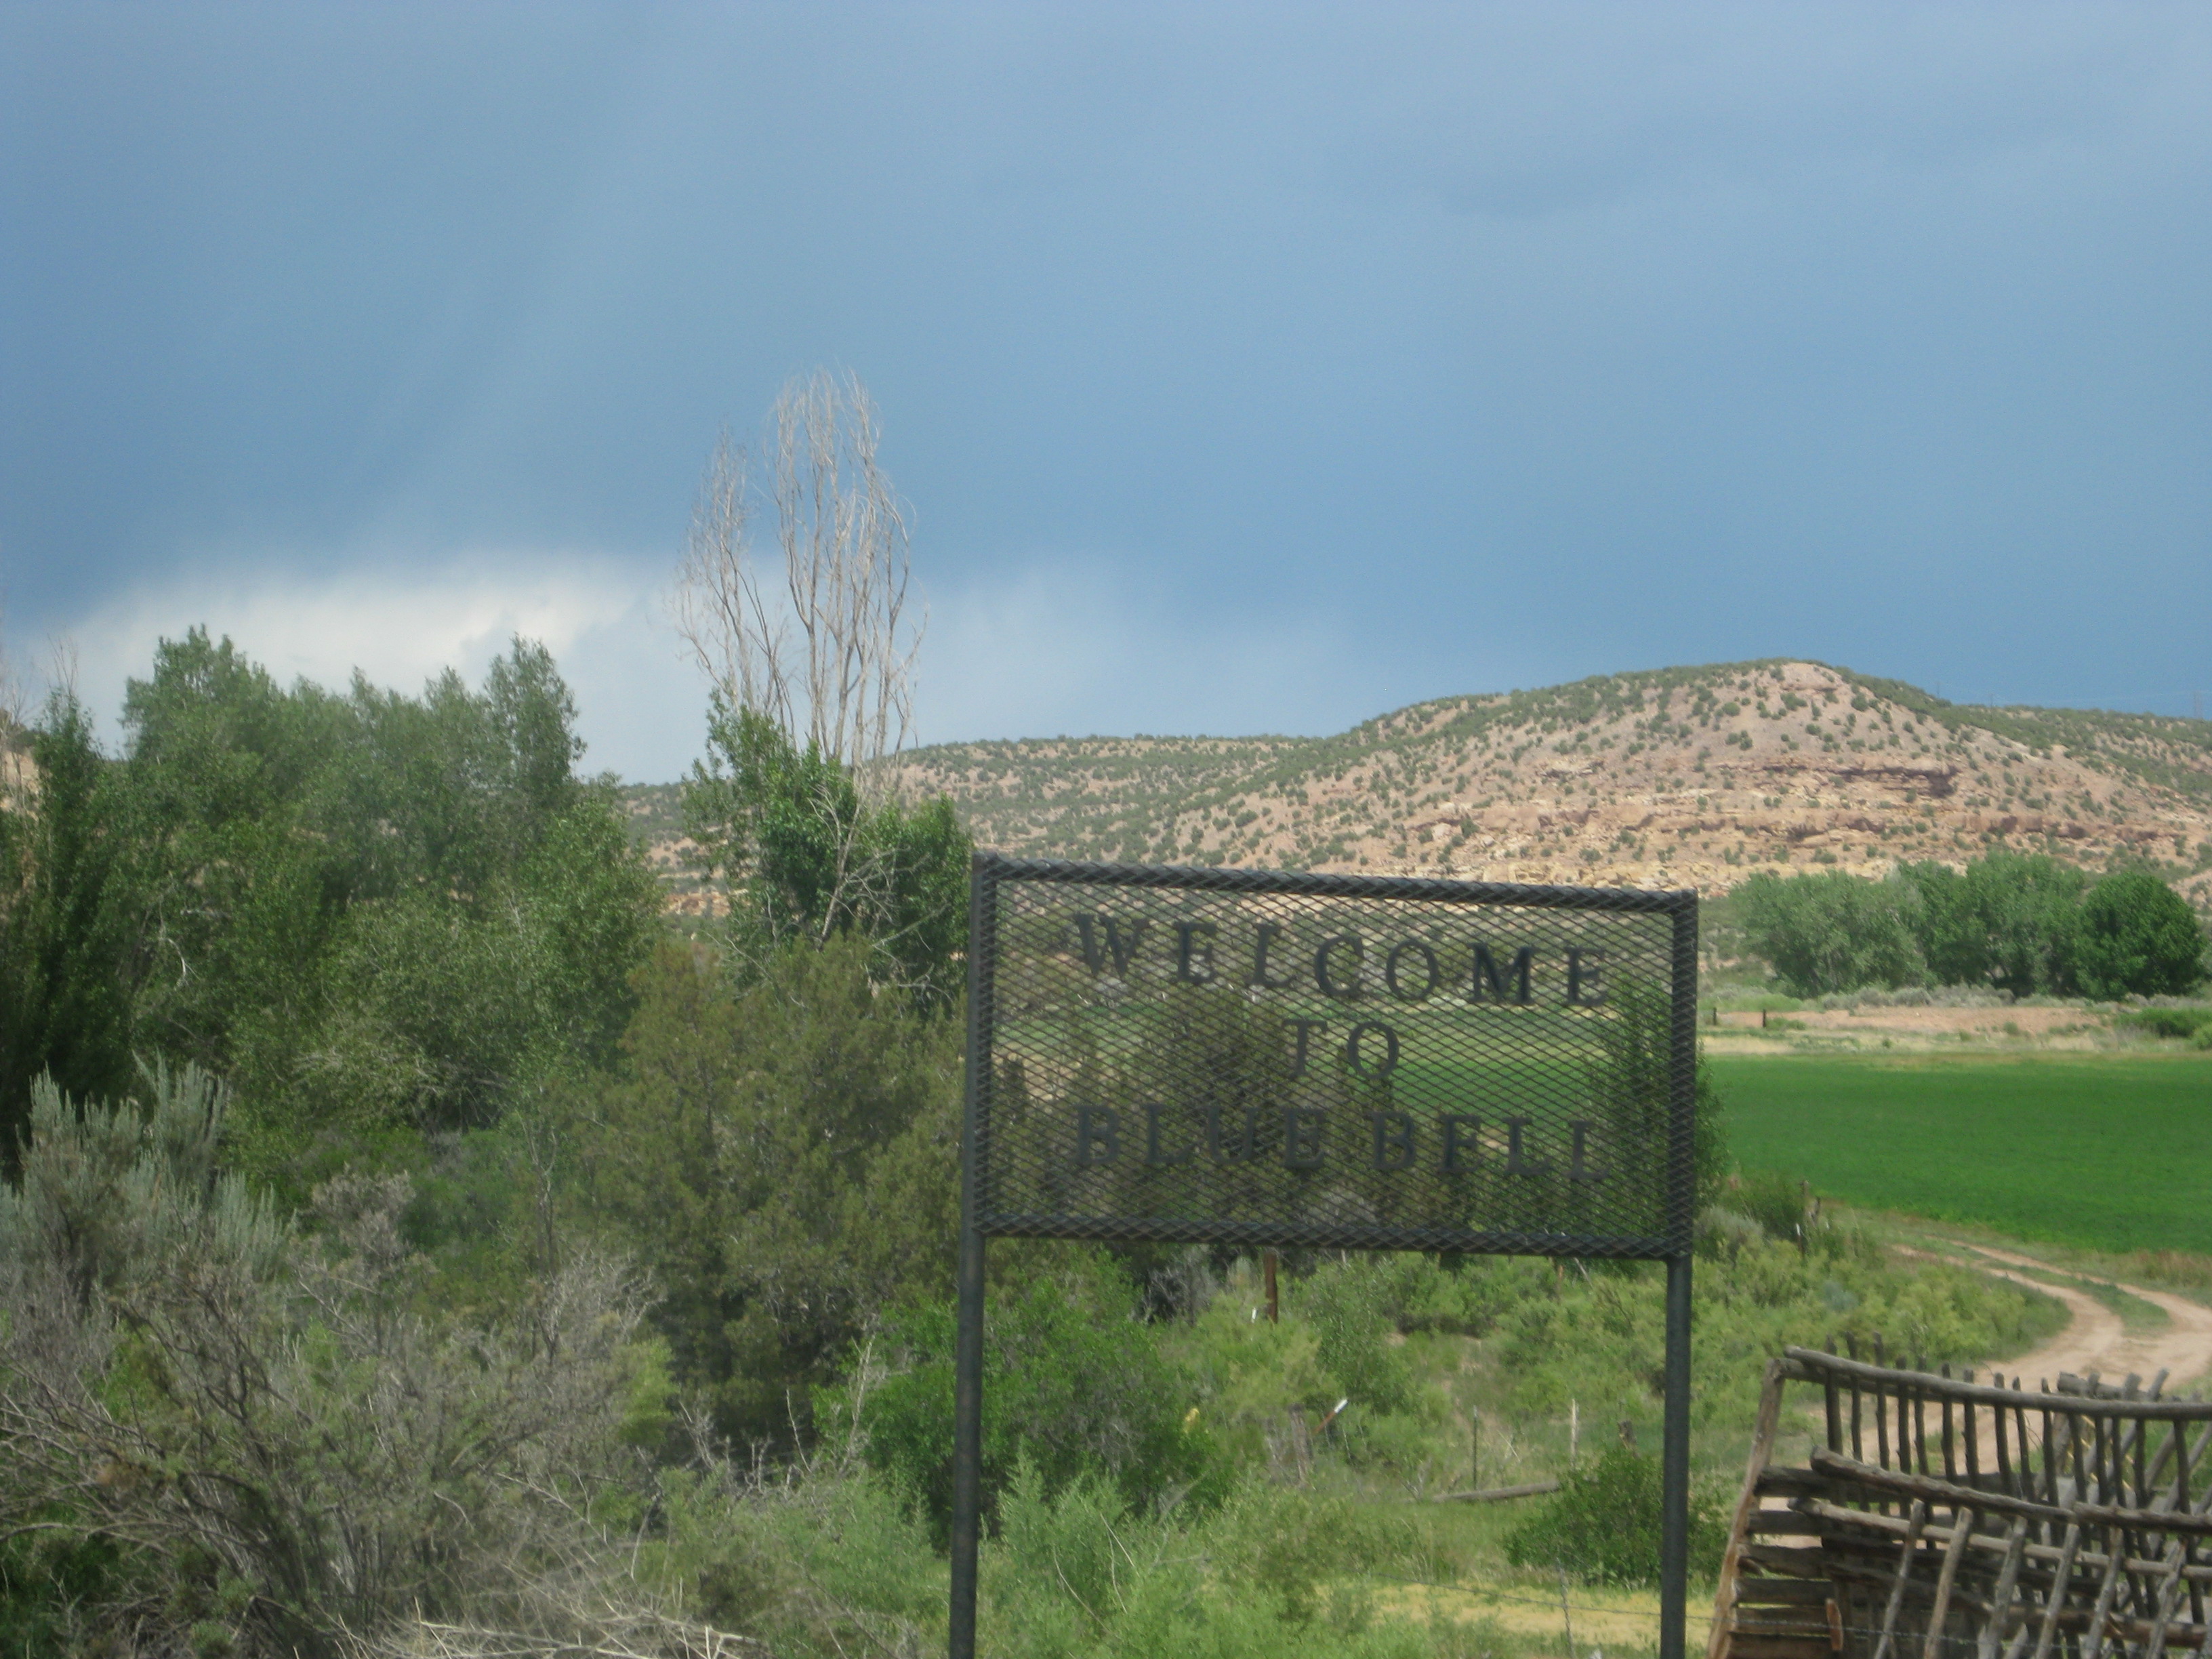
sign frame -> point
(990, 870)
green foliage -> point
(829, 1564)
(644, 1183)
(1829, 931)
(1776, 1202)
(1348, 1306)
(1600, 1339)
(286, 1446)
(1603, 1526)
(782, 1158)
(107, 1192)
(53, 1583)
(64, 941)
(2137, 936)
(375, 913)
(2181, 1022)
(1080, 1573)
(2020, 923)
(1632, 1082)
(1079, 1391)
(2006, 920)
(808, 857)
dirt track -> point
(2094, 1339)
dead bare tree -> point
(813, 683)
(830, 660)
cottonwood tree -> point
(812, 682)
(829, 658)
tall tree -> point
(65, 1007)
(812, 689)
(781, 1158)
(1831, 932)
(2137, 937)
(844, 686)
(2007, 920)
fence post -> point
(1674, 1466)
(968, 1339)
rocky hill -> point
(1678, 777)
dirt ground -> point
(1912, 1028)
(1924, 1022)
(2096, 1339)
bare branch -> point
(833, 663)
(719, 613)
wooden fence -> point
(1944, 1518)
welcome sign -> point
(1265, 1059)
(1349, 1062)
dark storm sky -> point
(1247, 368)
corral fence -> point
(1944, 1518)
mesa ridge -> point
(1668, 778)
(1672, 777)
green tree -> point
(2137, 936)
(1828, 932)
(2007, 920)
(369, 910)
(64, 1002)
(783, 1157)
(1604, 1525)
(810, 697)
(1631, 1080)
(1078, 1389)
(807, 856)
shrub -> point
(289, 1450)
(1076, 1389)
(1774, 1200)
(1272, 1572)
(1601, 1340)
(2176, 1023)
(1603, 1526)
(1351, 1307)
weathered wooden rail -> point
(1946, 1518)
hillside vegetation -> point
(1675, 777)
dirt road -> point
(2096, 1339)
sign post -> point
(1256, 1057)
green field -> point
(2111, 1153)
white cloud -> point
(639, 706)
(1064, 646)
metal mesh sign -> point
(1265, 1059)
(1352, 1062)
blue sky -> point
(1248, 368)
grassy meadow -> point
(2101, 1151)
